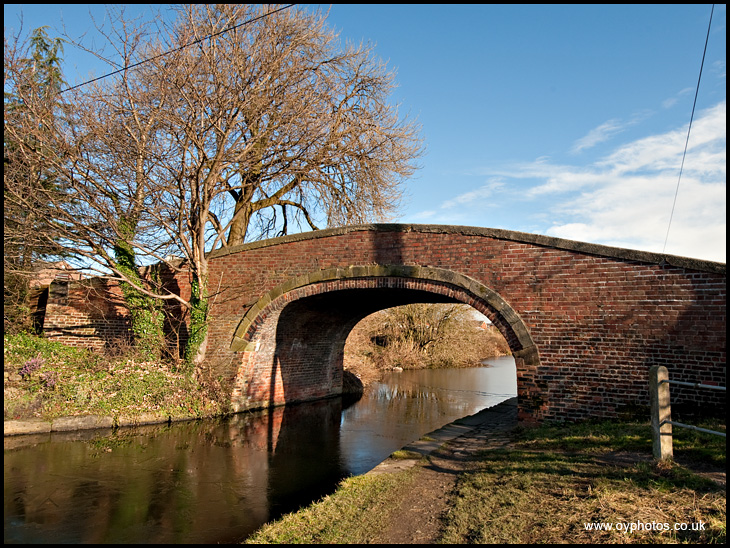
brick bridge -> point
(585, 322)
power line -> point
(180, 48)
(681, 167)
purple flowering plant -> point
(31, 365)
(49, 379)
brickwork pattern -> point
(307, 354)
(88, 314)
(598, 317)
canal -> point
(217, 481)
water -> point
(219, 480)
(407, 405)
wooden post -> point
(661, 413)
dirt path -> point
(450, 453)
(418, 519)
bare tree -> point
(421, 335)
(236, 123)
(281, 123)
(32, 79)
(273, 122)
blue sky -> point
(568, 121)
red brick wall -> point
(92, 314)
(89, 314)
(598, 317)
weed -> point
(405, 455)
(31, 366)
(60, 380)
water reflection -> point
(407, 405)
(202, 482)
(219, 480)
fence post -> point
(661, 413)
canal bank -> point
(541, 485)
(448, 450)
(219, 480)
(88, 422)
(404, 499)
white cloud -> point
(630, 202)
(663, 152)
(625, 199)
(598, 135)
(669, 103)
(718, 68)
(607, 131)
(426, 215)
(482, 193)
(635, 214)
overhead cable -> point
(684, 155)
(180, 48)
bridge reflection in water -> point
(218, 481)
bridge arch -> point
(600, 316)
(292, 340)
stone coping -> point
(496, 233)
(499, 418)
(85, 422)
(89, 422)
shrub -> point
(418, 336)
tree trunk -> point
(239, 225)
(198, 337)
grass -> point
(56, 380)
(403, 454)
(556, 483)
(352, 515)
(552, 485)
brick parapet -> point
(89, 313)
(599, 317)
(494, 233)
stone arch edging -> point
(277, 298)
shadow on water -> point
(216, 480)
(202, 481)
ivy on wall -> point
(198, 319)
(146, 312)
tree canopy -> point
(229, 124)
(33, 78)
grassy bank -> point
(45, 379)
(571, 484)
(552, 485)
(352, 515)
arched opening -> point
(292, 340)
(421, 336)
